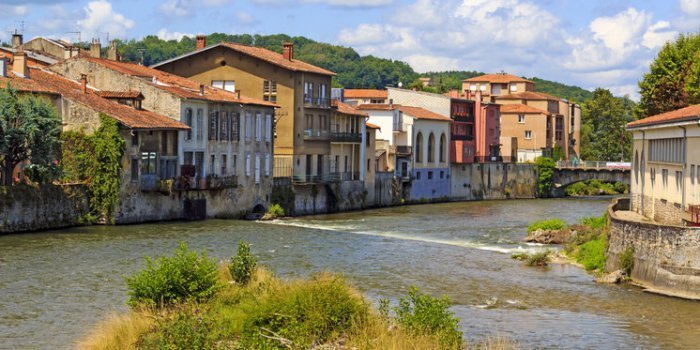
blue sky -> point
(587, 43)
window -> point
(521, 118)
(430, 175)
(528, 134)
(482, 87)
(234, 164)
(212, 165)
(134, 138)
(367, 138)
(442, 174)
(513, 87)
(664, 177)
(692, 174)
(247, 164)
(323, 122)
(248, 126)
(258, 127)
(666, 150)
(164, 142)
(270, 91)
(267, 165)
(223, 164)
(369, 168)
(228, 85)
(679, 180)
(309, 122)
(443, 147)
(268, 127)
(235, 120)
(224, 127)
(431, 148)
(419, 147)
(559, 128)
(134, 169)
(148, 163)
(200, 124)
(472, 87)
(417, 175)
(257, 168)
(213, 125)
(188, 121)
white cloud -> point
(658, 34)
(245, 18)
(165, 34)
(430, 63)
(350, 3)
(101, 18)
(691, 7)
(620, 32)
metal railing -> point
(346, 137)
(593, 165)
(402, 150)
(317, 102)
(312, 134)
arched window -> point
(431, 148)
(419, 148)
(443, 148)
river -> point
(55, 285)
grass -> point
(595, 187)
(588, 247)
(548, 224)
(118, 331)
(535, 259)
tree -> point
(673, 80)
(29, 130)
(603, 133)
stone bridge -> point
(565, 176)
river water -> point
(54, 286)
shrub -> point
(243, 264)
(595, 222)
(620, 187)
(519, 256)
(545, 172)
(626, 260)
(186, 328)
(538, 259)
(186, 275)
(548, 224)
(422, 314)
(275, 211)
(591, 254)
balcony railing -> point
(400, 126)
(317, 102)
(312, 134)
(346, 137)
(184, 183)
(403, 150)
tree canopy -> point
(603, 134)
(29, 130)
(673, 80)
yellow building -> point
(302, 141)
(666, 166)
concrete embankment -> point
(666, 258)
(32, 208)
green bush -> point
(243, 264)
(595, 222)
(304, 314)
(275, 211)
(620, 187)
(626, 260)
(422, 314)
(519, 256)
(545, 171)
(166, 280)
(538, 259)
(186, 328)
(548, 224)
(591, 254)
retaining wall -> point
(30, 208)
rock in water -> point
(549, 236)
(611, 278)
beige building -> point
(356, 97)
(665, 184)
(494, 85)
(531, 128)
(302, 91)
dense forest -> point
(354, 71)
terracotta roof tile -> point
(129, 117)
(683, 114)
(377, 107)
(179, 86)
(347, 109)
(25, 85)
(529, 95)
(365, 93)
(372, 126)
(501, 78)
(522, 109)
(421, 113)
(120, 94)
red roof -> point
(366, 93)
(129, 117)
(179, 86)
(377, 107)
(501, 78)
(679, 115)
(372, 126)
(347, 109)
(421, 113)
(521, 109)
(529, 95)
(25, 85)
(120, 94)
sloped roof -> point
(529, 95)
(347, 109)
(521, 109)
(377, 107)
(177, 85)
(129, 117)
(372, 126)
(33, 57)
(421, 113)
(119, 94)
(365, 93)
(25, 85)
(260, 53)
(501, 78)
(679, 115)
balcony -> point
(149, 183)
(346, 137)
(316, 135)
(400, 126)
(185, 183)
(401, 151)
(317, 102)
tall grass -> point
(118, 331)
(548, 224)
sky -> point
(589, 43)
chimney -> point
(95, 48)
(288, 51)
(83, 82)
(201, 42)
(238, 94)
(3, 67)
(201, 89)
(112, 53)
(17, 40)
(20, 65)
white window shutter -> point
(267, 165)
(247, 164)
(257, 168)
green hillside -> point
(353, 70)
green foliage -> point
(42, 174)
(29, 130)
(548, 224)
(626, 260)
(519, 256)
(306, 314)
(187, 327)
(558, 153)
(243, 264)
(595, 187)
(538, 259)
(673, 80)
(595, 222)
(77, 161)
(423, 314)
(569, 92)
(591, 254)
(603, 134)
(103, 187)
(275, 211)
(545, 171)
(166, 280)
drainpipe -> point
(363, 146)
(644, 170)
(684, 151)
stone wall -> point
(666, 258)
(492, 181)
(29, 208)
(660, 210)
